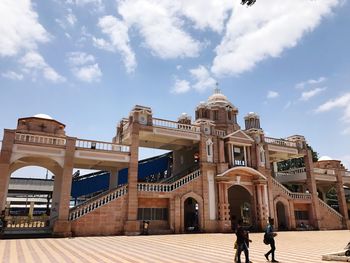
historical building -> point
(215, 173)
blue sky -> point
(86, 63)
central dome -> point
(219, 99)
(43, 116)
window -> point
(152, 214)
(229, 116)
(301, 215)
(215, 115)
(209, 144)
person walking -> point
(270, 237)
(242, 242)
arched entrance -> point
(281, 216)
(241, 205)
(191, 215)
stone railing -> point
(175, 125)
(347, 173)
(324, 171)
(39, 139)
(330, 209)
(220, 133)
(280, 142)
(104, 146)
(96, 202)
(163, 187)
(294, 171)
(292, 195)
(15, 222)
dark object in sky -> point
(248, 2)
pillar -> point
(31, 209)
(132, 225)
(62, 191)
(341, 195)
(5, 159)
(113, 179)
(311, 184)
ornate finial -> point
(217, 90)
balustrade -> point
(39, 139)
(330, 209)
(220, 133)
(289, 193)
(159, 187)
(294, 171)
(96, 202)
(13, 222)
(324, 171)
(104, 146)
(280, 142)
(175, 125)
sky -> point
(86, 63)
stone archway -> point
(191, 215)
(281, 216)
(241, 205)
(192, 203)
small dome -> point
(43, 116)
(325, 158)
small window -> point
(216, 115)
(229, 115)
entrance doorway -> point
(240, 202)
(191, 214)
(281, 216)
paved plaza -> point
(298, 247)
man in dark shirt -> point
(242, 242)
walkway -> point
(292, 247)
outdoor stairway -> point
(96, 202)
(305, 196)
(288, 193)
(168, 187)
(110, 195)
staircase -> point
(96, 202)
(168, 187)
(108, 196)
(289, 194)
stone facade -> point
(220, 173)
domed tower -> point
(41, 124)
(220, 111)
(252, 121)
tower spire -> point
(217, 90)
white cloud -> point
(178, 67)
(265, 30)
(206, 14)
(88, 73)
(342, 102)
(19, 27)
(80, 58)
(181, 86)
(118, 34)
(12, 75)
(83, 66)
(301, 85)
(306, 95)
(203, 79)
(287, 105)
(160, 27)
(272, 94)
(33, 63)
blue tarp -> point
(100, 181)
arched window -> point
(262, 156)
(209, 146)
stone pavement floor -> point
(292, 247)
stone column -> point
(113, 179)
(132, 225)
(341, 194)
(291, 221)
(311, 184)
(63, 187)
(5, 159)
(31, 209)
(260, 208)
